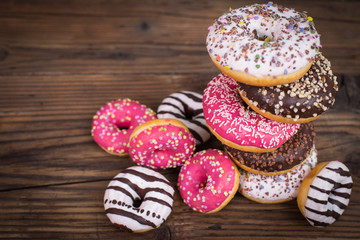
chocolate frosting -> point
(291, 153)
(308, 97)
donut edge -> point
(271, 116)
(233, 192)
(305, 185)
(267, 81)
(157, 122)
(239, 147)
(248, 169)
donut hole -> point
(263, 35)
(122, 125)
(189, 113)
(137, 202)
(200, 179)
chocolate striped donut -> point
(186, 106)
(140, 185)
(328, 194)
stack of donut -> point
(274, 83)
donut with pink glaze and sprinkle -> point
(235, 125)
(161, 143)
(208, 181)
(113, 124)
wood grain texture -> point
(60, 61)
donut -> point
(325, 193)
(138, 199)
(161, 143)
(285, 158)
(186, 106)
(208, 181)
(277, 188)
(297, 102)
(231, 121)
(113, 124)
(263, 44)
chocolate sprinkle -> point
(291, 153)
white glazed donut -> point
(277, 188)
(263, 44)
(186, 106)
(138, 184)
(325, 193)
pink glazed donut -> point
(113, 124)
(235, 125)
(161, 143)
(208, 181)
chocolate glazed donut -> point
(296, 102)
(283, 159)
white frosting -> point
(328, 195)
(293, 41)
(279, 187)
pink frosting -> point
(113, 124)
(163, 146)
(226, 114)
(207, 180)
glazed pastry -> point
(208, 181)
(325, 193)
(235, 125)
(113, 124)
(263, 44)
(138, 199)
(161, 143)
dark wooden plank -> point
(157, 39)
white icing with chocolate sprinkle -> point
(263, 40)
(279, 187)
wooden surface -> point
(60, 61)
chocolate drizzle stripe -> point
(336, 184)
(192, 96)
(196, 135)
(142, 191)
(193, 121)
(337, 203)
(341, 194)
(159, 190)
(327, 213)
(340, 171)
(320, 189)
(144, 176)
(317, 223)
(117, 188)
(162, 202)
(123, 227)
(189, 120)
(317, 200)
(193, 111)
(171, 105)
(133, 216)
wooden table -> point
(62, 60)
